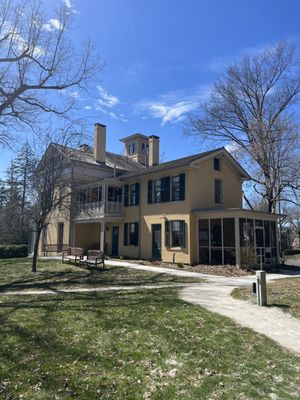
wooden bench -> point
(94, 257)
(54, 248)
(73, 254)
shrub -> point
(180, 265)
(248, 257)
(13, 250)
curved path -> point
(273, 323)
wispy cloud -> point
(52, 25)
(69, 5)
(106, 99)
(173, 107)
(105, 104)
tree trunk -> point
(36, 249)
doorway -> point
(60, 237)
(115, 241)
(156, 241)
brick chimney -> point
(153, 150)
(100, 143)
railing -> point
(98, 209)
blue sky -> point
(162, 57)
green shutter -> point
(125, 234)
(136, 234)
(150, 192)
(182, 186)
(167, 233)
(165, 187)
(137, 191)
(126, 195)
(182, 233)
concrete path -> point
(90, 290)
(214, 295)
(273, 323)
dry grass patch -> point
(283, 293)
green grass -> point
(135, 345)
(294, 257)
(142, 344)
(15, 274)
(283, 293)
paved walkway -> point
(273, 323)
(90, 290)
(214, 295)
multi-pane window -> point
(114, 194)
(175, 188)
(131, 148)
(131, 234)
(132, 195)
(217, 164)
(157, 191)
(218, 191)
(175, 233)
(166, 189)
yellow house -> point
(188, 210)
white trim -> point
(237, 241)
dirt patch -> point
(220, 270)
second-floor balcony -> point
(98, 201)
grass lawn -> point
(294, 257)
(15, 274)
(283, 293)
(143, 344)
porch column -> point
(237, 242)
(278, 241)
(102, 234)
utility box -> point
(261, 288)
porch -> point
(99, 200)
(229, 236)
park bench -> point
(73, 254)
(54, 248)
(94, 257)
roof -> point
(135, 135)
(118, 161)
(221, 210)
(185, 161)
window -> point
(217, 164)
(166, 189)
(131, 234)
(143, 147)
(96, 193)
(147, 149)
(157, 191)
(133, 148)
(175, 233)
(178, 187)
(218, 191)
(132, 195)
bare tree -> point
(251, 107)
(36, 59)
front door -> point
(60, 236)
(156, 241)
(115, 241)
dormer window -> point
(217, 164)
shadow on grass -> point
(87, 276)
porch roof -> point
(232, 212)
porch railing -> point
(98, 209)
